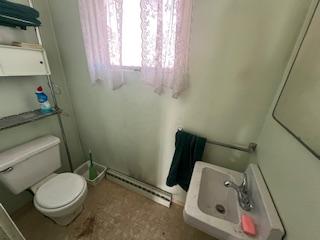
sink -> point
(220, 205)
(213, 208)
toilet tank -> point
(25, 165)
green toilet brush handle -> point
(92, 169)
(90, 158)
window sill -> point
(131, 69)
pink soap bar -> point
(247, 225)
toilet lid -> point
(60, 190)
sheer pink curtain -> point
(101, 22)
(165, 32)
(165, 43)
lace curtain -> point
(165, 43)
(165, 28)
(101, 23)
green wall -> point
(292, 174)
(239, 50)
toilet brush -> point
(92, 169)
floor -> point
(111, 212)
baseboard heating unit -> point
(151, 192)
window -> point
(150, 34)
(132, 33)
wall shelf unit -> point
(26, 117)
(30, 61)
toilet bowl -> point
(31, 166)
(61, 197)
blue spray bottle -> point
(45, 106)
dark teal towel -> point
(189, 149)
(18, 15)
(9, 22)
(20, 9)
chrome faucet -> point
(244, 199)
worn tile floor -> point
(111, 212)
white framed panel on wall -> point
(20, 61)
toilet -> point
(31, 166)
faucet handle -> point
(244, 184)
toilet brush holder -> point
(83, 170)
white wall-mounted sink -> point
(214, 208)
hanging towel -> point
(18, 15)
(189, 149)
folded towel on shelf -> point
(14, 22)
(189, 149)
(19, 8)
(18, 15)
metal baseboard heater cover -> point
(156, 194)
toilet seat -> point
(61, 195)
(59, 191)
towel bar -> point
(250, 149)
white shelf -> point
(22, 61)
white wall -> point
(293, 175)
(17, 95)
(239, 50)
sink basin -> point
(213, 208)
(211, 182)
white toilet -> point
(31, 166)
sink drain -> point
(220, 208)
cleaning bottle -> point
(45, 106)
(92, 169)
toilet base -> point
(65, 220)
